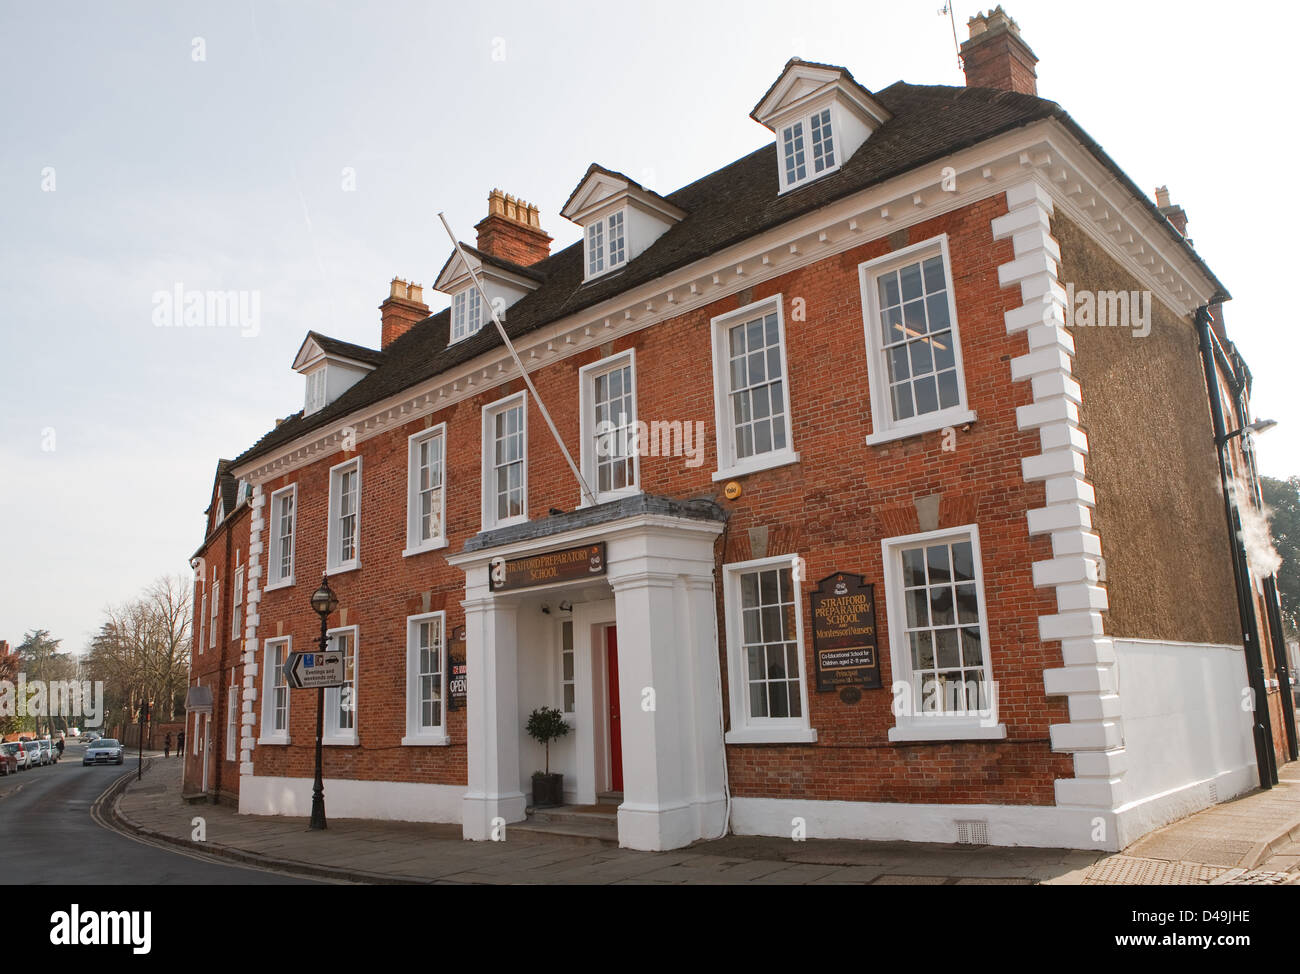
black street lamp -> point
(323, 602)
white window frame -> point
(232, 718)
(928, 726)
(416, 735)
(414, 544)
(561, 682)
(334, 735)
(729, 466)
(270, 733)
(274, 577)
(214, 623)
(598, 252)
(884, 428)
(203, 623)
(810, 171)
(317, 382)
(466, 313)
(237, 602)
(334, 565)
(587, 376)
(761, 730)
(489, 497)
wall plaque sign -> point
(844, 633)
(568, 565)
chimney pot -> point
(404, 307)
(512, 230)
(995, 55)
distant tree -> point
(1282, 498)
(41, 659)
(9, 722)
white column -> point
(492, 713)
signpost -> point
(309, 671)
(844, 633)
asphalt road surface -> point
(48, 835)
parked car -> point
(52, 749)
(28, 756)
(43, 749)
(104, 751)
(9, 758)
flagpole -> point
(501, 330)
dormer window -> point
(331, 367)
(795, 152)
(620, 219)
(466, 313)
(606, 244)
(820, 116)
(315, 391)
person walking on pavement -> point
(180, 744)
(59, 745)
(167, 745)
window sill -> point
(279, 739)
(425, 548)
(765, 461)
(930, 423)
(351, 566)
(283, 583)
(507, 523)
(426, 740)
(609, 495)
(947, 729)
(773, 735)
(339, 741)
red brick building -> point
(878, 532)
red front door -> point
(615, 730)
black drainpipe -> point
(1261, 726)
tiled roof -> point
(723, 208)
(336, 346)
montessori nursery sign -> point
(844, 633)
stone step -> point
(599, 832)
(575, 815)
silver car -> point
(29, 754)
(104, 751)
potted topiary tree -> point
(546, 724)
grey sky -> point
(226, 174)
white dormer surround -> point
(620, 218)
(820, 116)
(503, 286)
(328, 374)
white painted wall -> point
(1187, 737)
(399, 801)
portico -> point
(641, 687)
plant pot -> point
(548, 790)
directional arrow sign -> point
(307, 671)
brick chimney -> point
(1174, 213)
(403, 308)
(512, 231)
(995, 56)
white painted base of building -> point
(1148, 814)
(396, 801)
(1040, 826)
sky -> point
(300, 153)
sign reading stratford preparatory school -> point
(568, 565)
(844, 632)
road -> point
(49, 835)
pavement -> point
(1254, 839)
